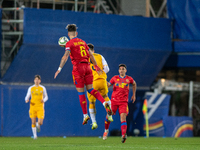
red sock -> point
(83, 102)
(97, 95)
(107, 123)
(123, 127)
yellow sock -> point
(33, 125)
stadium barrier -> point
(63, 114)
(178, 126)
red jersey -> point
(78, 50)
(121, 88)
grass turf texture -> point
(96, 143)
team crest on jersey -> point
(117, 79)
(127, 80)
(122, 85)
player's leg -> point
(104, 92)
(98, 96)
(99, 86)
(34, 130)
(40, 116)
(94, 92)
(38, 124)
(83, 103)
(107, 122)
(92, 110)
(109, 117)
(79, 83)
(32, 115)
(123, 110)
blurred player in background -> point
(82, 74)
(38, 96)
(119, 99)
(100, 84)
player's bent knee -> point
(90, 90)
(40, 122)
(92, 106)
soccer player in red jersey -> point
(82, 74)
(119, 99)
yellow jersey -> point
(37, 94)
(101, 63)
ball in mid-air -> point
(62, 41)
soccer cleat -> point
(85, 120)
(94, 126)
(38, 127)
(108, 109)
(110, 119)
(124, 137)
(105, 135)
(35, 138)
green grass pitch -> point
(96, 143)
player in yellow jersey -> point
(38, 96)
(100, 84)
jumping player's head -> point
(91, 46)
(72, 30)
(37, 80)
(122, 70)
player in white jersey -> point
(38, 96)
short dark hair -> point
(122, 65)
(91, 46)
(71, 27)
(38, 76)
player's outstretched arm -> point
(134, 92)
(62, 63)
(98, 70)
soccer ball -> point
(136, 132)
(62, 41)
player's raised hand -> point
(57, 72)
(26, 101)
(133, 98)
(98, 70)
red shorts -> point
(82, 75)
(123, 107)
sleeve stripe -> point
(67, 48)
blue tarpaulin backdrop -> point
(143, 44)
(186, 20)
(186, 15)
(0, 37)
